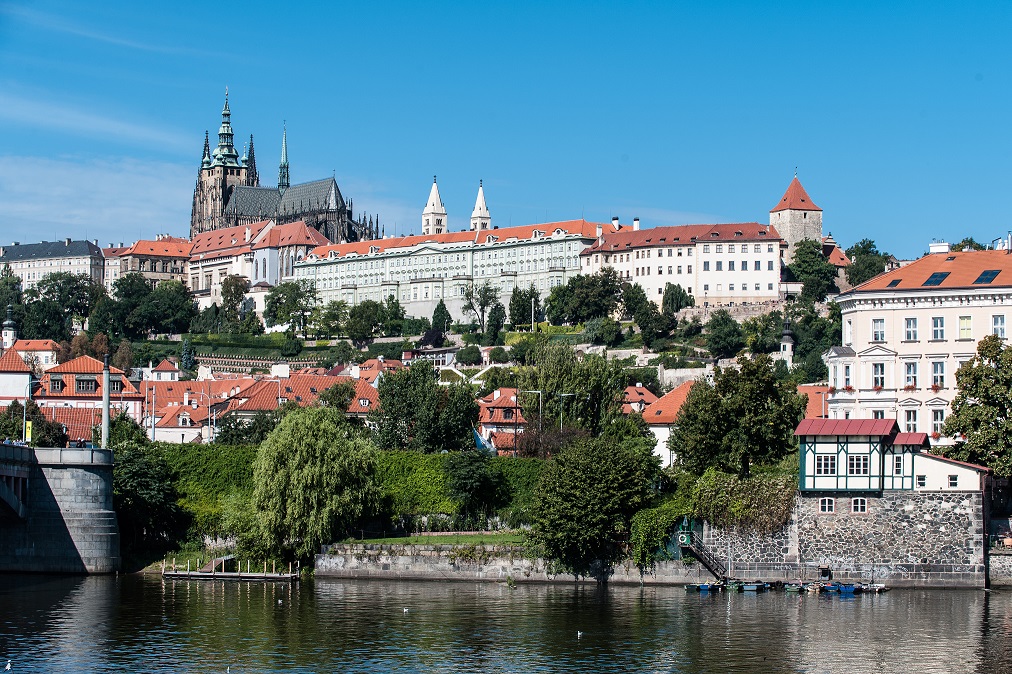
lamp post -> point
(210, 412)
(562, 401)
(540, 406)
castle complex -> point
(228, 194)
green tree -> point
(441, 318)
(585, 297)
(968, 243)
(393, 317)
(723, 335)
(814, 334)
(416, 413)
(168, 309)
(328, 319)
(343, 353)
(587, 496)
(604, 330)
(290, 302)
(233, 292)
(188, 356)
(498, 355)
(73, 294)
(811, 268)
(123, 430)
(45, 433)
(478, 299)
(634, 300)
(981, 417)
(313, 479)
(124, 358)
(364, 319)
(762, 333)
(469, 355)
(338, 396)
(867, 262)
(496, 321)
(746, 416)
(675, 299)
(473, 483)
(145, 500)
(126, 311)
(44, 319)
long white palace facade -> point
(717, 264)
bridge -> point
(56, 513)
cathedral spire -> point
(434, 216)
(252, 178)
(480, 217)
(205, 160)
(283, 181)
(225, 154)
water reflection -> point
(130, 623)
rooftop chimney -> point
(66, 241)
(614, 223)
(938, 247)
(636, 224)
(600, 230)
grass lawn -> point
(447, 539)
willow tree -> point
(313, 479)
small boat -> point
(735, 586)
(692, 587)
(814, 588)
(754, 586)
(848, 588)
(710, 587)
(830, 587)
(875, 587)
(793, 588)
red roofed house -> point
(164, 259)
(220, 253)
(15, 377)
(500, 419)
(660, 416)
(907, 331)
(44, 352)
(796, 217)
(303, 389)
(636, 398)
(166, 370)
(78, 383)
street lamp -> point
(562, 401)
(540, 407)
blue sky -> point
(895, 114)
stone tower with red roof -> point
(796, 217)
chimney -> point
(938, 247)
(614, 223)
(600, 230)
(66, 241)
(247, 234)
(636, 224)
(186, 398)
(120, 244)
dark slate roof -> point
(49, 249)
(311, 196)
(841, 351)
(258, 202)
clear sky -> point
(895, 114)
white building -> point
(34, 261)
(717, 264)
(906, 332)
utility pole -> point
(105, 402)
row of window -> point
(756, 248)
(730, 287)
(857, 505)
(660, 253)
(719, 265)
(910, 328)
(878, 375)
(645, 271)
(909, 419)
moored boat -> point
(754, 586)
(875, 587)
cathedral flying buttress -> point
(228, 193)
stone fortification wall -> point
(1000, 568)
(71, 526)
(479, 563)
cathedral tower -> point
(796, 217)
(220, 172)
(284, 182)
(434, 215)
(480, 217)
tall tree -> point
(634, 300)
(981, 417)
(364, 319)
(762, 333)
(815, 273)
(233, 291)
(746, 416)
(313, 479)
(169, 308)
(867, 262)
(124, 358)
(585, 297)
(328, 319)
(520, 310)
(290, 302)
(496, 321)
(675, 299)
(587, 496)
(478, 299)
(441, 318)
(723, 335)
(393, 317)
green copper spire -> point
(205, 160)
(283, 181)
(225, 154)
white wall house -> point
(906, 332)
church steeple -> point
(480, 217)
(10, 329)
(252, 178)
(434, 216)
(225, 154)
(283, 180)
(205, 161)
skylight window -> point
(936, 278)
(986, 276)
(895, 282)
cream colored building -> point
(32, 262)
(906, 332)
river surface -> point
(109, 624)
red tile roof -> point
(291, 234)
(836, 255)
(963, 267)
(677, 235)
(170, 416)
(12, 362)
(168, 246)
(78, 420)
(665, 409)
(816, 399)
(35, 345)
(795, 199)
(305, 390)
(636, 394)
(875, 428)
(166, 366)
(115, 251)
(494, 409)
(915, 439)
(83, 365)
(587, 230)
(225, 242)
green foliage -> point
(651, 529)
(587, 496)
(813, 270)
(762, 333)
(188, 356)
(478, 300)
(469, 355)
(982, 410)
(58, 301)
(520, 306)
(814, 335)
(45, 433)
(235, 430)
(233, 292)
(747, 415)
(968, 243)
(441, 318)
(343, 353)
(144, 498)
(338, 396)
(496, 321)
(867, 262)
(498, 355)
(413, 483)
(472, 481)
(634, 300)
(327, 320)
(364, 320)
(604, 330)
(519, 485)
(415, 326)
(675, 299)
(724, 336)
(761, 504)
(123, 430)
(417, 413)
(291, 302)
(313, 479)
(585, 296)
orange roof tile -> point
(12, 362)
(876, 428)
(82, 365)
(225, 242)
(166, 366)
(665, 409)
(636, 394)
(170, 416)
(795, 199)
(168, 246)
(677, 235)
(115, 251)
(291, 234)
(35, 345)
(817, 394)
(305, 390)
(960, 270)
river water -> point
(109, 624)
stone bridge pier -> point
(56, 513)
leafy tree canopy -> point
(724, 336)
(441, 318)
(584, 297)
(675, 299)
(813, 270)
(291, 302)
(968, 243)
(867, 262)
(478, 300)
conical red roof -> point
(11, 362)
(795, 199)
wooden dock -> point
(210, 572)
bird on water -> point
(8, 667)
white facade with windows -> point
(906, 332)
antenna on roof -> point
(795, 171)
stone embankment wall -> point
(903, 539)
(478, 563)
(71, 526)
